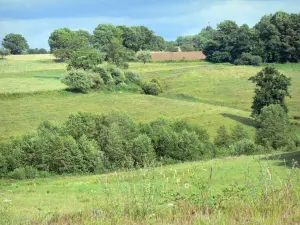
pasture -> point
(189, 193)
(209, 95)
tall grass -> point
(183, 196)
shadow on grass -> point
(45, 77)
(247, 121)
(290, 159)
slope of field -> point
(202, 93)
(137, 196)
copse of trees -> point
(37, 51)
(275, 38)
(15, 43)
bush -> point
(238, 133)
(3, 166)
(274, 128)
(104, 73)
(218, 57)
(4, 52)
(222, 138)
(79, 80)
(152, 88)
(30, 172)
(143, 152)
(144, 56)
(242, 147)
(86, 59)
(132, 77)
(248, 59)
(18, 174)
(117, 74)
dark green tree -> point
(15, 43)
(271, 88)
(274, 127)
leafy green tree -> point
(15, 43)
(271, 88)
(187, 48)
(222, 138)
(37, 51)
(238, 133)
(143, 152)
(4, 52)
(144, 56)
(63, 42)
(85, 58)
(274, 128)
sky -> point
(36, 19)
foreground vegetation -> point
(265, 190)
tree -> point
(16, 43)
(85, 58)
(4, 52)
(223, 138)
(271, 88)
(274, 127)
(63, 42)
(187, 48)
(104, 35)
(144, 56)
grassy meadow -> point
(202, 93)
(221, 191)
(235, 190)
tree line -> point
(275, 38)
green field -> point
(234, 190)
(202, 93)
(153, 196)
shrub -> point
(18, 174)
(274, 127)
(4, 52)
(86, 59)
(248, 59)
(30, 172)
(238, 133)
(117, 74)
(79, 80)
(3, 166)
(222, 138)
(242, 147)
(102, 70)
(218, 57)
(144, 56)
(132, 77)
(143, 152)
(151, 88)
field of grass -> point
(206, 94)
(162, 195)
(264, 190)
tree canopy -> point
(271, 88)
(15, 43)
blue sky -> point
(36, 19)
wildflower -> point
(187, 185)
(6, 200)
(171, 204)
